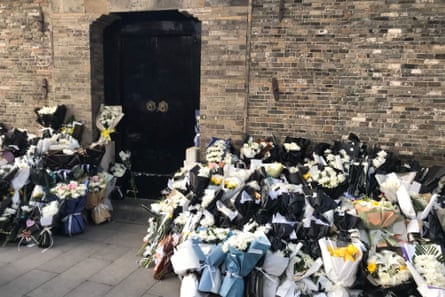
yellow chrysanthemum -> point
(372, 267)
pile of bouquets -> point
(334, 218)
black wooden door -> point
(158, 79)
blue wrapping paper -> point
(71, 212)
(239, 264)
(210, 281)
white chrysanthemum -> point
(47, 110)
(432, 270)
(292, 146)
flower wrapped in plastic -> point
(341, 264)
(390, 183)
(211, 279)
(243, 254)
(189, 286)
(216, 150)
(299, 275)
(426, 262)
(274, 265)
(73, 201)
(308, 233)
(107, 120)
(199, 177)
(19, 180)
(163, 254)
(51, 116)
(206, 256)
(330, 180)
(48, 213)
(96, 199)
(387, 269)
(433, 219)
(378, 217)
(323, 206)
(187, 257)
(294, 150)
(346, 223)
(250, 149)
(231, 186)
(248, 202)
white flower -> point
(118, 169)
(291, 146)
(181, 219)
(431, 269)
(209, 195)
(96, 183)
(380, 159)
(125, 155)
(47, 110)
(51, 209)
(208, 220)
(26, 208)
(241, 241)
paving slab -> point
(89, 289)
(116, 272)
(70, 279)
(22, 265)
(110, 252)
(168, 287)
(135, 285)
(80, 251)
(26, 283)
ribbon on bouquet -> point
(211, 279)
(69, 218)
(46, 230)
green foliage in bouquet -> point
(430, 250)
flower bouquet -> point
(199, 177)
(73, 200)
(51, 116)
(341, 264)
(299, 274)
(163, 254)
(187, 257)
(47, 214)
(107, 120)
(250, 149)
(216, 151)
(243, 254)
(294, 150)
(426, 262)
(274, 265)
(96, 198)
(377, 217)
(387, 269)
(330, 180)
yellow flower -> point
(216, 180)
(307, 176)
(106, 133)
(372, 267)
(403, 267)
(348, 253)
(375, 203)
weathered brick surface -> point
(25, 57)
(374, 68)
